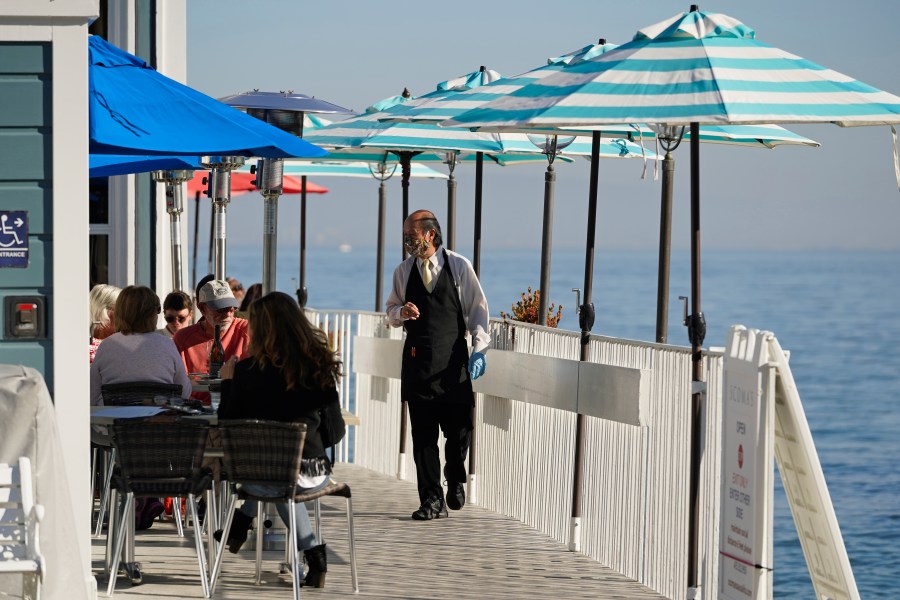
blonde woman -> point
(102, 306)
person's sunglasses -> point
(181, 319)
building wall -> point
(26, 188)
(53, 189)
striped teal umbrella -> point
(692, 69)
(367, 133)
(461, 93)
(447, 103)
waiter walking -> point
(437, 298)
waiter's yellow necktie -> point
(426, 274)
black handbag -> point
(331, 427)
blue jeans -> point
(306, 539)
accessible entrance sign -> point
(14, 238)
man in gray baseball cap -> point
(217, 304)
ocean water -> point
(837, 312)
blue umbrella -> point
(108, 165)
(134, 109)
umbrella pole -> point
(270, 182)
(665, 244)
(546, 243)
(450, 242)
(476, 253)
(696, 332)
(476, 265)
(405, 158)
(586, 321)
(379, 255)
(196, 236)
(302, 293)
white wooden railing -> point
(636, 397)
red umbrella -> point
(241, 184)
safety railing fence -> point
(635, 481)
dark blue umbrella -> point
(136, 110)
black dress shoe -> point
(456, 496)
(433, 508)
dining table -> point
(106, 415)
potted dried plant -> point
(526, 310)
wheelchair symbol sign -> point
(13, 238)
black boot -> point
(318, 566)
(240, 525)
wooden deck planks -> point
(474, 554)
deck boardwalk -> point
(473, 554)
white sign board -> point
(807, 492)
(745, 530)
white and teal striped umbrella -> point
(696, 67)
(448, 102)
(367, 131)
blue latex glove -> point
(477, 365)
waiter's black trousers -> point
(455, 420)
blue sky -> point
(841, 196)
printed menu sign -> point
(747, 469)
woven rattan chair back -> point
(263, 452)
(135, 393)
(161, 455)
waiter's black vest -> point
(435, 356)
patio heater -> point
(286, 111)
(219, 192)
(174, 181)
(669, 137)
(382, 172)
(550, 146)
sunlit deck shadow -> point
(473, 554)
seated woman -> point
(289, 375)
(136, 353)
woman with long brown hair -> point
(289, 375)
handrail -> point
(636, 466)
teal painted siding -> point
(26, 184)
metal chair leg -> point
(125, 514)
(198, 543)
(291, 542)
(351, 537)
(260, 517)
(318, 511)
(176, 512)
(220, 547)
(104, 497)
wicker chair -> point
(159, 456)
(268, 453)
(132, 393)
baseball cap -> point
(217, 294)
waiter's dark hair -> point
(428, 221)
